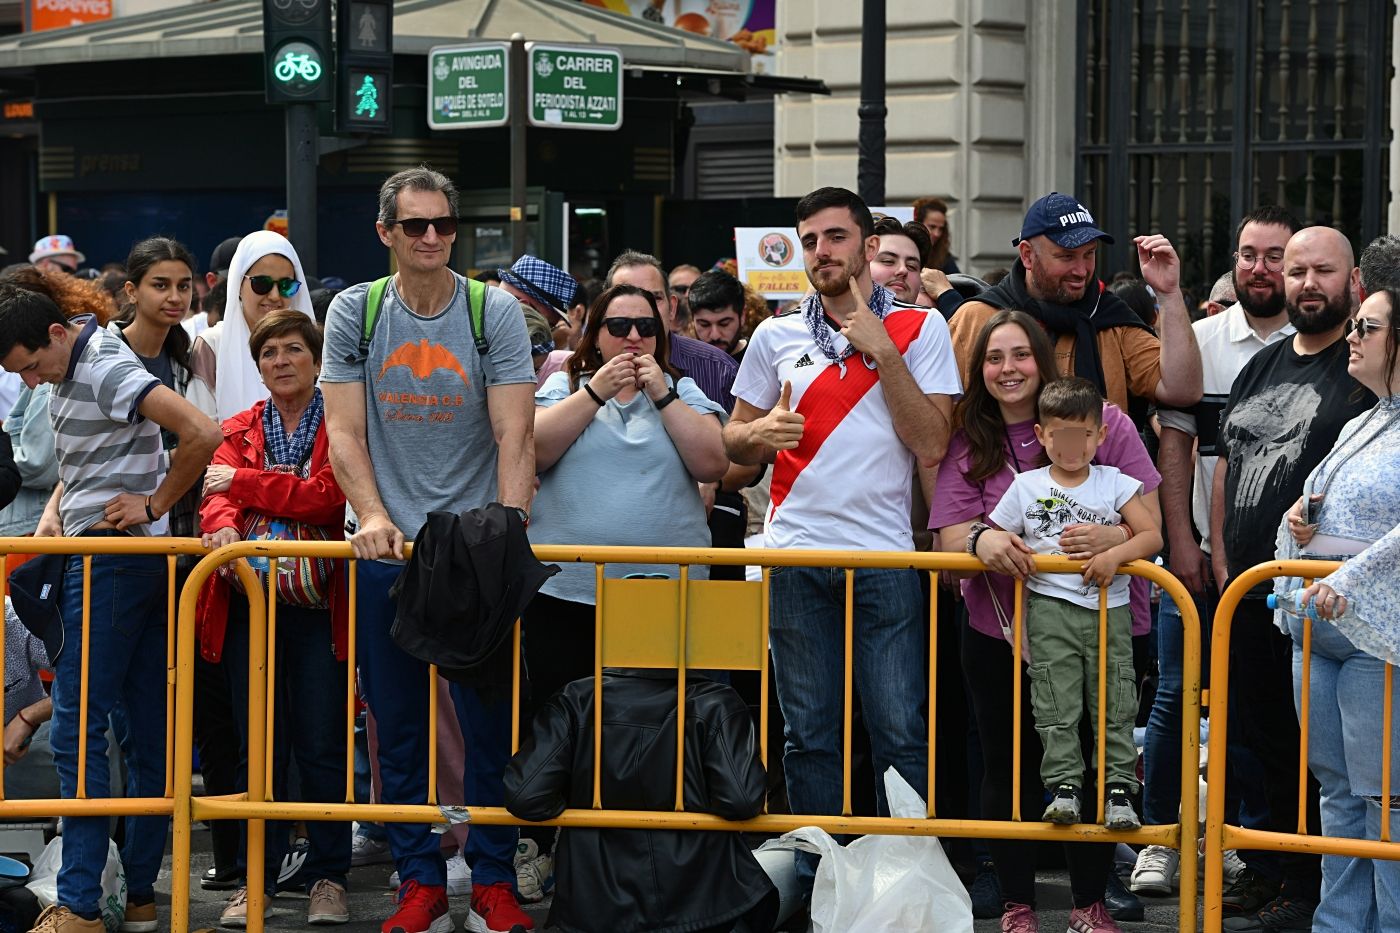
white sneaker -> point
(534, 872)
(1232, 865)
(1156, 867)
(367, 851)
(459, 877)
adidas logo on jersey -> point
(805, 361)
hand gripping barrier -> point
(713, 624)
(1220, 835)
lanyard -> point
(1332, 474)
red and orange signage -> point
(55, 14)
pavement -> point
(371, 902)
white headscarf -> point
(238, 384)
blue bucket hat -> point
(1063, 219)
(543, 281)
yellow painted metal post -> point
(83, 679)
(681, 659)
(598, 616)
(763, 593)
(171, 609)
(1304, 721)
(1102, 711)
(351, 710)
(270, 736)
(258, 752)
(432, 735)
(1386, 714)
(1018, 632)
(846, 686)
(932, 683)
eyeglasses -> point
(622, 326)
(417, 226)
(262, 284)
(1364, 327)
(1248, 258)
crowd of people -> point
(900, 405)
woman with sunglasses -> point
(1350, 511)
(264, 276)
(620, 443)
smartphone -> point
(1312, 506)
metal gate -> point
(1190, 113)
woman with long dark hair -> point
(994, 439)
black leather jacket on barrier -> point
(621, 880)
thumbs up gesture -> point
(781, 428)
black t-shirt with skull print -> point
(1284, 415)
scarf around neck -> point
(833, 345)
(281, 449)
(1098, 310)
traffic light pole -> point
(519, 102)
(303, 137)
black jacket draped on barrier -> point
(622, 880)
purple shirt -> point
(712, 369)
(960, 499)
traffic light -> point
(297, 50)
(364, 81)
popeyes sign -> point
(55, 14)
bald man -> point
(1284, 414)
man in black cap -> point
(1096, 335)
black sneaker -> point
(1122, 904)
(227, 880)
(1283, 914)
(985, 891)
(1248, 895)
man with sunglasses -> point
(1188, 447)
(423, 421)
(56, 253)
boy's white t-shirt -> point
(1039, 509)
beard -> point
(1330, 316)
(833, 282)
(1054, 290)
(1268, 307)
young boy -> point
(1062, 609)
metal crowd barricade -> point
(88, 548)
(1220, 835)
(713, 624)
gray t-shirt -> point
(621, 482)
(429, 434)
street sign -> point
(467, 86)
(575, 87)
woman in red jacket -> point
(271, 478)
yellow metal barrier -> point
(714, 624)
(1220, 835)
(88, 548)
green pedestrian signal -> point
(368, 99)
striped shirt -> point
(712, 369)
(105, 447)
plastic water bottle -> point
(1292, 604)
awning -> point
(234, 27)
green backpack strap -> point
(476, 300)
(374, 303)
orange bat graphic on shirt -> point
(423, 359)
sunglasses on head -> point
(262, 284)
(417, 226)
(622, 326)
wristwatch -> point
(666, 399)
(524, 515)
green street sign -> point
(575, 87)
(468, 86)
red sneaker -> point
(422, 909)
(497, 907)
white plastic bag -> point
(883, 883)
(43, 881)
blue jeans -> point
(396, 688)
(309, 704)
(806, 633)
(1344, 752)
(127, 664)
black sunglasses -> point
(417, 226)
(1364, 327)
(622, 326)
(262, 284)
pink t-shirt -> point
(959, 499)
